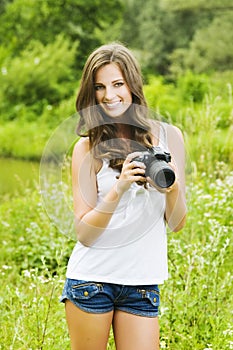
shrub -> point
(162, 97)
(41, 75)
(23, 139)
(193, 87)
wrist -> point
(173, 188)
(120, 187)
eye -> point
(119, 84)
(98, 87)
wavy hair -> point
(94, 123)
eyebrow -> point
(114, 81)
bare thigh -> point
(134, 332)
(87, 331)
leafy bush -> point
(193, 87)
(29, 238)
(52, 116)
(41, 75)
(23, 139)
(161, 96)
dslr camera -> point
(155, 160)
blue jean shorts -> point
(94, 297)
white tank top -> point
(132, 250)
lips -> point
(112, 105)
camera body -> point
(155, 160)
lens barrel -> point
(161, 173)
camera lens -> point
(161, 173)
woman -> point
(120, 213)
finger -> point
(138, 164)
(131, 156)
(136, 171)
(139, 178)
(133, 165)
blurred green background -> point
(185, 49)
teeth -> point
(113, 104)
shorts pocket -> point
(151, 294)
(154, 298)
(85, 290)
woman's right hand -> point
(132, 171)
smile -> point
(112, 105)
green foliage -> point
(200, 268)
(177, 35)
(34, 225)
(157, 31)
(4, 53)
(161, 96)
(52, 116)
(23, 139)
(41, 75)
(198, 104)
(197, 4)
(193, 87)
(202, 107)
(40, 71)
(212, 47)
(26, 20)
(34, 256)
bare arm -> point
(91, 218)
(175, 213)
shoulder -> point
(82, 154)
(82, 146)
(175, 143)
(174, 134)
(80, 151)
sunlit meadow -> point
(196, 301)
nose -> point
(109, 93)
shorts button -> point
(155, 300)
(85, 293)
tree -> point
(199, 5)
(156, 31)
(26, 20)
(173, 35)
(212, 47)
(40, 76)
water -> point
(16, 175)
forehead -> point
(108, 72)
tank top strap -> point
(105, 165)
(163, 136)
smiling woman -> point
(120, 216)
(112, 92)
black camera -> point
(155, 160)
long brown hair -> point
(94, 123)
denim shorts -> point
(94, 297)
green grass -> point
(196, 305)
(197, 299)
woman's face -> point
(111, 90)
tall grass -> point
(197, 299)
(196, 306)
